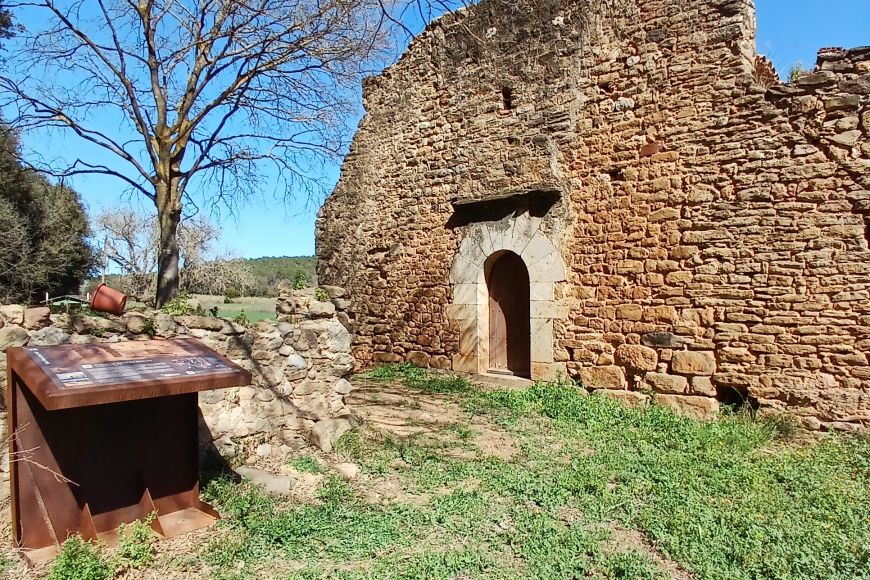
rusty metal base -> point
(87, 470)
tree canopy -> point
(43, 232)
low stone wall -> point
(298, 363)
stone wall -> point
(712, 227)
(299, 365)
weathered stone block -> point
(201, 322)
(386, 357)
(604, 377)
(688, 362)
(703, 386)
(321, 309)
(636, 357)
(418, 358)
(35, 318)
(664, 383)
(12, 313)
(629, 312)
(12, 336)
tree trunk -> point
(169, 216)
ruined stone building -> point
(619, 191)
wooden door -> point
(509, 325)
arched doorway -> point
(507, 280)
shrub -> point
(178, 306)
(320, 295)
(300, 281)
(242, 318)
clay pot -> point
(109, 300)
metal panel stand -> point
(87, 469)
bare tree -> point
(129, 242)
(195, 101)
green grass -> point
(306, 464)
(420, 379)
(729, 499)
(255, 309)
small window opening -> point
(507, 97)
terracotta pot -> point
(109, 300)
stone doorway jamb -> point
(470, 308)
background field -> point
(255, 308)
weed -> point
(242, 318)
(462, 432)
(149, 328)
(306, 464)
(136, 543)
(415, 377)
(320, 295)
(795, 72)
(80, 560)
(97, 332)
(631, 566)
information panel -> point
(80, 366)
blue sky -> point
(789, 31)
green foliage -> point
(214, 312)
(320, 295)
(306, 464)
(340, 527)
(80, 560)
(5, 562)
(795, 72)
(269, 272)
(98, 332)
(43, 230)
(136, 543)
(149, 328)
(415, 377)
(631, 566)
(231, 294)
(178, 306)
(725, 500)
(300, 280)
(242, 318)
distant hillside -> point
(269, 271)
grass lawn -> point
(721, 500)
(579, 487)
(255, 308)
